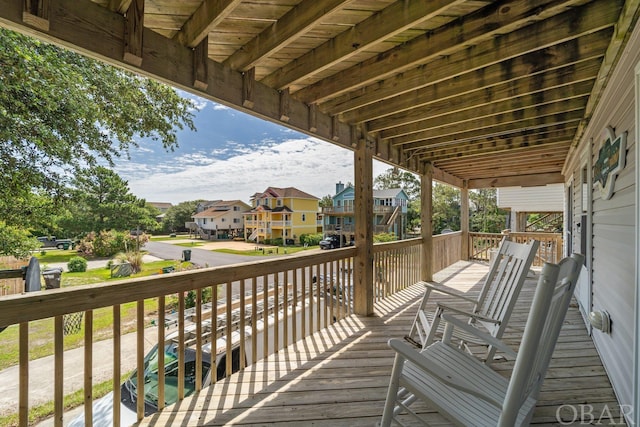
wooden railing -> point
(306, 292)
(263, 306)
(396, 265)
(447, 249)
(550, 249)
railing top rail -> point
(446, 235)
(43, 304)
(398, 244)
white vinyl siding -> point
(614, 229)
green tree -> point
(326, 201)
(62, 113)
(395, 178)
(101, 200)
(485, 216)
(177, 215)
(446, 208)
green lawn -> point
(55, 255)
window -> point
(223, 219)
(304, 217)
(204, 221)
(279, 202)
(236, 208)
(236, 220)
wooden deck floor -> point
(339, 377)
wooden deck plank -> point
(339, 376)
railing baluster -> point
(254, 319)
(58, 394)
(23, 403)
(88, 367)
(181, 346)
(285, 310)
(229, 324)
(161, 318)
(214, 333)
(116, 366)
(294, 328)
(243, 350)
(198, 339)
(140, 358)
(265, 316)
(276, 311)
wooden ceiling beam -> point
(426, 103)
(513, 145)
(392, 20)
(471, 37)
(511, 107)
(532, 151)
(287, 29)
(533, 157)
(501, 130)
(208, 16)
(590, 47)
(524, 117)
(532, 180)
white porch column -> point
(426, 225)
(363, 206)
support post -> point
(464, 221)
(363, 262)
(426, 226)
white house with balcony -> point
(221, 220)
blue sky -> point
(233, 155)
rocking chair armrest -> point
(488, 338)
(449, 377)
(475, 316)
(449, 291)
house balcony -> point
(344, 228)
(349, 210)
(331, 365)
(280, 224)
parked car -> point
(333, 241)
(53, 242)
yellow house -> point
(281, 213)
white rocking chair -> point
(491, 310)
(469, 392)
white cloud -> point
(308, 164)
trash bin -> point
(66, 245)
(52, 277)
(186, 255)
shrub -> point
(190, 297)
(311, 239)
(133, 258)
(109, 243)
(77, 264)
(277, 241)
(384, 237)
